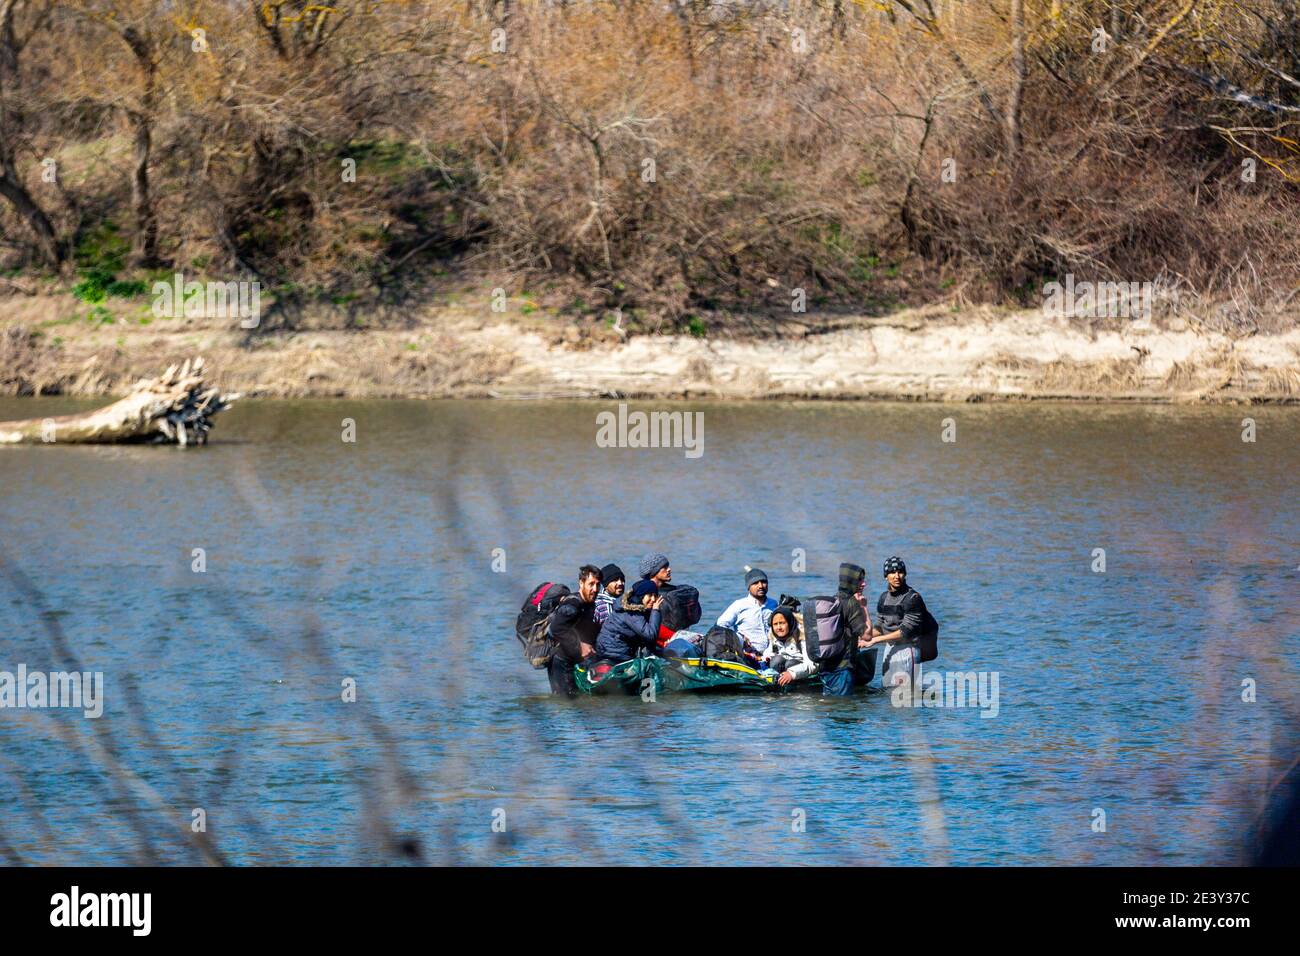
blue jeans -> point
(858, 670)
(838, 683)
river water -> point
(398, 561)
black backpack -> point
(928, 640)
(722, 644)
(680, 607)
(533, 625)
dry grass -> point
(23, 363)
(1110, 377)
(1281, 381)
(1181, 377)
(1006, 362)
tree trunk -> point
(1016, 96)
(176, 407)
(145, 247)
(47, 240)
(11, 185)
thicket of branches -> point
(663, 158)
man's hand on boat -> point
(785, 678)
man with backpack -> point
(834, 632)
(905, 626)
(851, 668)
(574, 628)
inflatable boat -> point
(640, 674)
(673, 674)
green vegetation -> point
(100, 256)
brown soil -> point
(47, 347)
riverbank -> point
(981, 354)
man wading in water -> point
(854, 667)
(574, 627)
(903, 620)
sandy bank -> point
(978, 355)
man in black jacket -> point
(901, 619)
(574, 627)
(856, 665)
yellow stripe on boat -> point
(725, 665)
(695, 662)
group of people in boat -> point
(612, 622)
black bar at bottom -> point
(337, 905)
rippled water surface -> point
(1119, 692)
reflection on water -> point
(327, 561)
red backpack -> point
(533, 625)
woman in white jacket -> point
(785, 651)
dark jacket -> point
(573, 624)
(628, 627)
(903, 611)
(853, 624)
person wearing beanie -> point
(856, 665)
(902, 619)
(655, 567)
(611, 576)
(750, 616)
(633, 626)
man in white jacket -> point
(749, 616)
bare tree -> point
(1016, 97)
(12, 188)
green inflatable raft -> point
(679, 674)
(668, 674)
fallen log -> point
(176, 407)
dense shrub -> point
(666, 160)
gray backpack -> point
(820, 619)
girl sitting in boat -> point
(634, 624)
(785, 653)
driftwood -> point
(176, 407)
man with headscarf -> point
(856, 665)
(750, 616)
